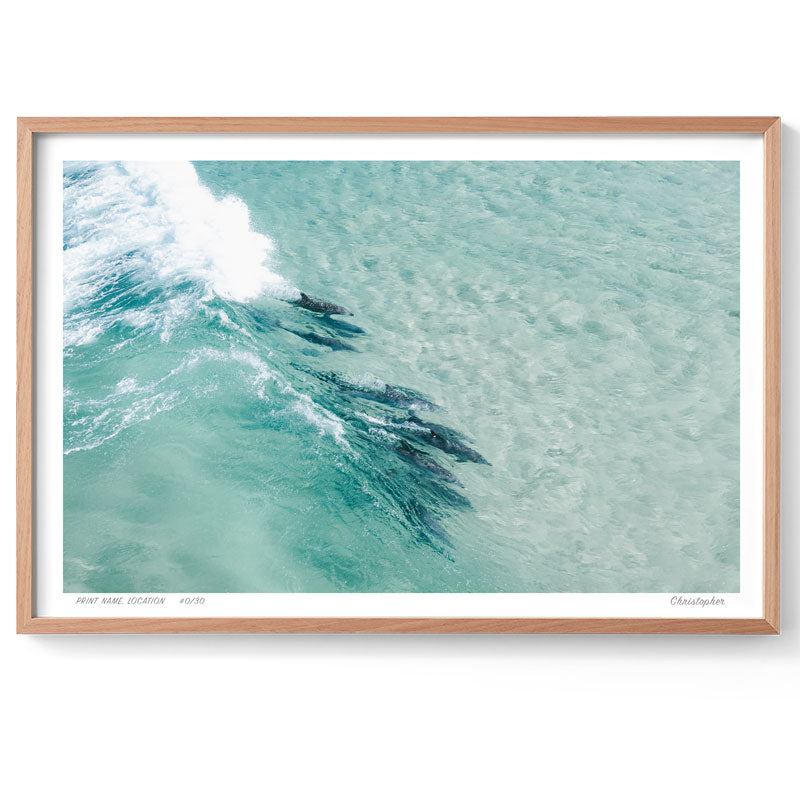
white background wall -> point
(284, 717)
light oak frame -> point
(28, 128)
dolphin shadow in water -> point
(424, 502)
(340, 326)
(324, 341)
(261, 320)
(427, 527)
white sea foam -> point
(126, 386)
(82, 331)
(158, 217)
(381, 433)
(113, 421)
(326, 422)
(323, 420)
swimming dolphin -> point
(419, 459)
(394, 396)
(320, 306)
(447, 440)
(325, 341)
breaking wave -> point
(174, 311)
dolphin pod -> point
(411, 437)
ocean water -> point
(537, 390)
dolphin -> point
(447, 440)
(419, 459)
(442, 430)
(401, 397)
(394, 396)
(320, 306)
(325, 341)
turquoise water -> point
(537, 390)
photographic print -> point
(401, 376)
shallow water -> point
(573, 324)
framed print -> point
(490, 375)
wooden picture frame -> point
(30, 128)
